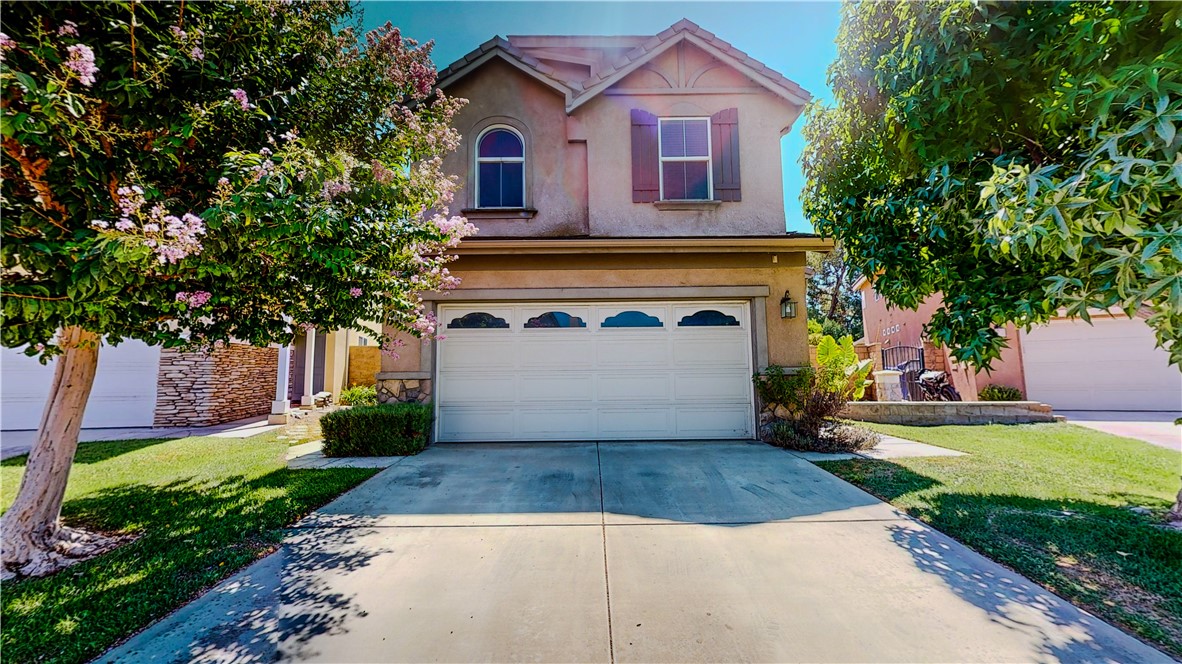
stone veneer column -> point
(232, 382)
(399, 387)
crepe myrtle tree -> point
(186, 174)
(1020, 159)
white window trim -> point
(709, 159)
(499, 160)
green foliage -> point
(200, 509)
(832, 298)
(808, 400)
(1017, 158)
(999, 393)
(187, 173)
(359, 395)
(385, 430)
(815, 332)
(839, 368)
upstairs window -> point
(685, 159)
(500, 169)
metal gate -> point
(909, 360)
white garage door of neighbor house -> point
(594, 371)
(1110, 365)
(124, 393)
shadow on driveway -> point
(726, 551)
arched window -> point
(500, 169)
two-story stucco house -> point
(632, 259)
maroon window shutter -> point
(724, 139)
(646, 184)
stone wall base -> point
(949, 412)
(404, 390)
(232, 382)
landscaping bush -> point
(386, 430)
(999, 393)
(359, 395)
(832, 437)
(803, 406)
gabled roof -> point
(498, 47)
(579, 93)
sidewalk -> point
(16, 443)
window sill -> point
(687, 205)
(499, 213)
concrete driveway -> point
(623, 552)
(1156, 428)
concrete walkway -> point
(1156, 428)
(16, 443)
(642, 552)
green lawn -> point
(201, 507)
(1052, 502)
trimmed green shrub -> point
(999, 393)
(386, 430)
(359, 395)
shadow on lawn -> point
(1112, 561)
(96, 451)
(192, 534)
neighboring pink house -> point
(632, 258)
(1110, 365)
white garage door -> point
(599, 371)
(1111, 365)
(124, 393)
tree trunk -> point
(1175, 516)
(33, 541)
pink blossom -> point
(355, 292)
(6, 42)
(124, 224)
(239, 96)
(81, 62)
(151, 228)
(181, 238)
(381, 174)
(68, 28)
(223, 182)
(196, 53)
(178, 32)
(334, 188)
(195, 300)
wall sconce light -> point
(787, 306)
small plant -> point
(359, 395)
(386, 430)
(815, 332)
(803, 405)
(1000, 393)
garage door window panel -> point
(555, 319)
(632, 318)
(478, 320)
(708, 318)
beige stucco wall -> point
(556, 171)
(787, 339)
(763, 117)
(595, 139)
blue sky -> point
(794, 38)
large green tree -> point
(193, 173)
(1020, 158)
(832, 300)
